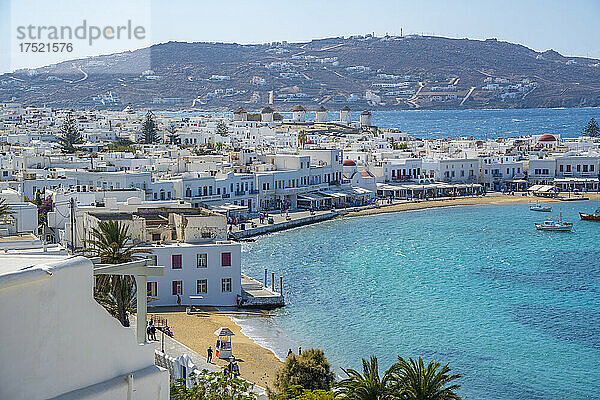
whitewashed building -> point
(58, 342)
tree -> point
(592, 129)
(212, 386)
(311, 370)
(297, 392)
(121, 145)
(5, 209)
(417, 382)
(222, 129)
(115, 292)
(368, 385)
(302, 138)
(149, 129)
(172, 135)
(69, 135)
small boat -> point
(555, 225)
(591, 216)
(540, 207)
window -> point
(560, 168)
(177, 288)
(226, 285)
(226, 259)
(156, 237)
(176, 261)
(152, 289)
(201, 286)
(202, 260)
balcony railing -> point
(226, 196)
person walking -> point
(152, 329)
(209, 353)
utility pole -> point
(72, 207)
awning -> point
(333, 194)
(224, 332)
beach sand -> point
(196, 331)
(490, 199)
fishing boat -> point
(555, 225)
(595, 216)
(540, 207)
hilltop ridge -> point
(362, 71)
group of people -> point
(232, 368)
(290, 352)
(151, 330)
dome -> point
(546, 137)
(349, 163)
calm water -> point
(481, 124)
(516, 311)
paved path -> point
(174, 349)
(278, 218)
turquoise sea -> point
(514, 310)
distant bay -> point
(481, 124)
(486, 124)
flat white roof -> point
(13, 262)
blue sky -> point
(570, 27)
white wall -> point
(57, 339)
(190, 273)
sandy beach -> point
(490, 199)
(196, 331)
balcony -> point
(240, 192)
(253, 191)
(226, 196)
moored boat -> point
(595, 216)
(555, 225)
(540, 207)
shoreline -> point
(459, 201)
(258, 363)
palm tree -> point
(414, 381)
(115, 292)
(368, 385)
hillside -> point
(378, 73)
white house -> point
(198, 273)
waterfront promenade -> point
(283, 221)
